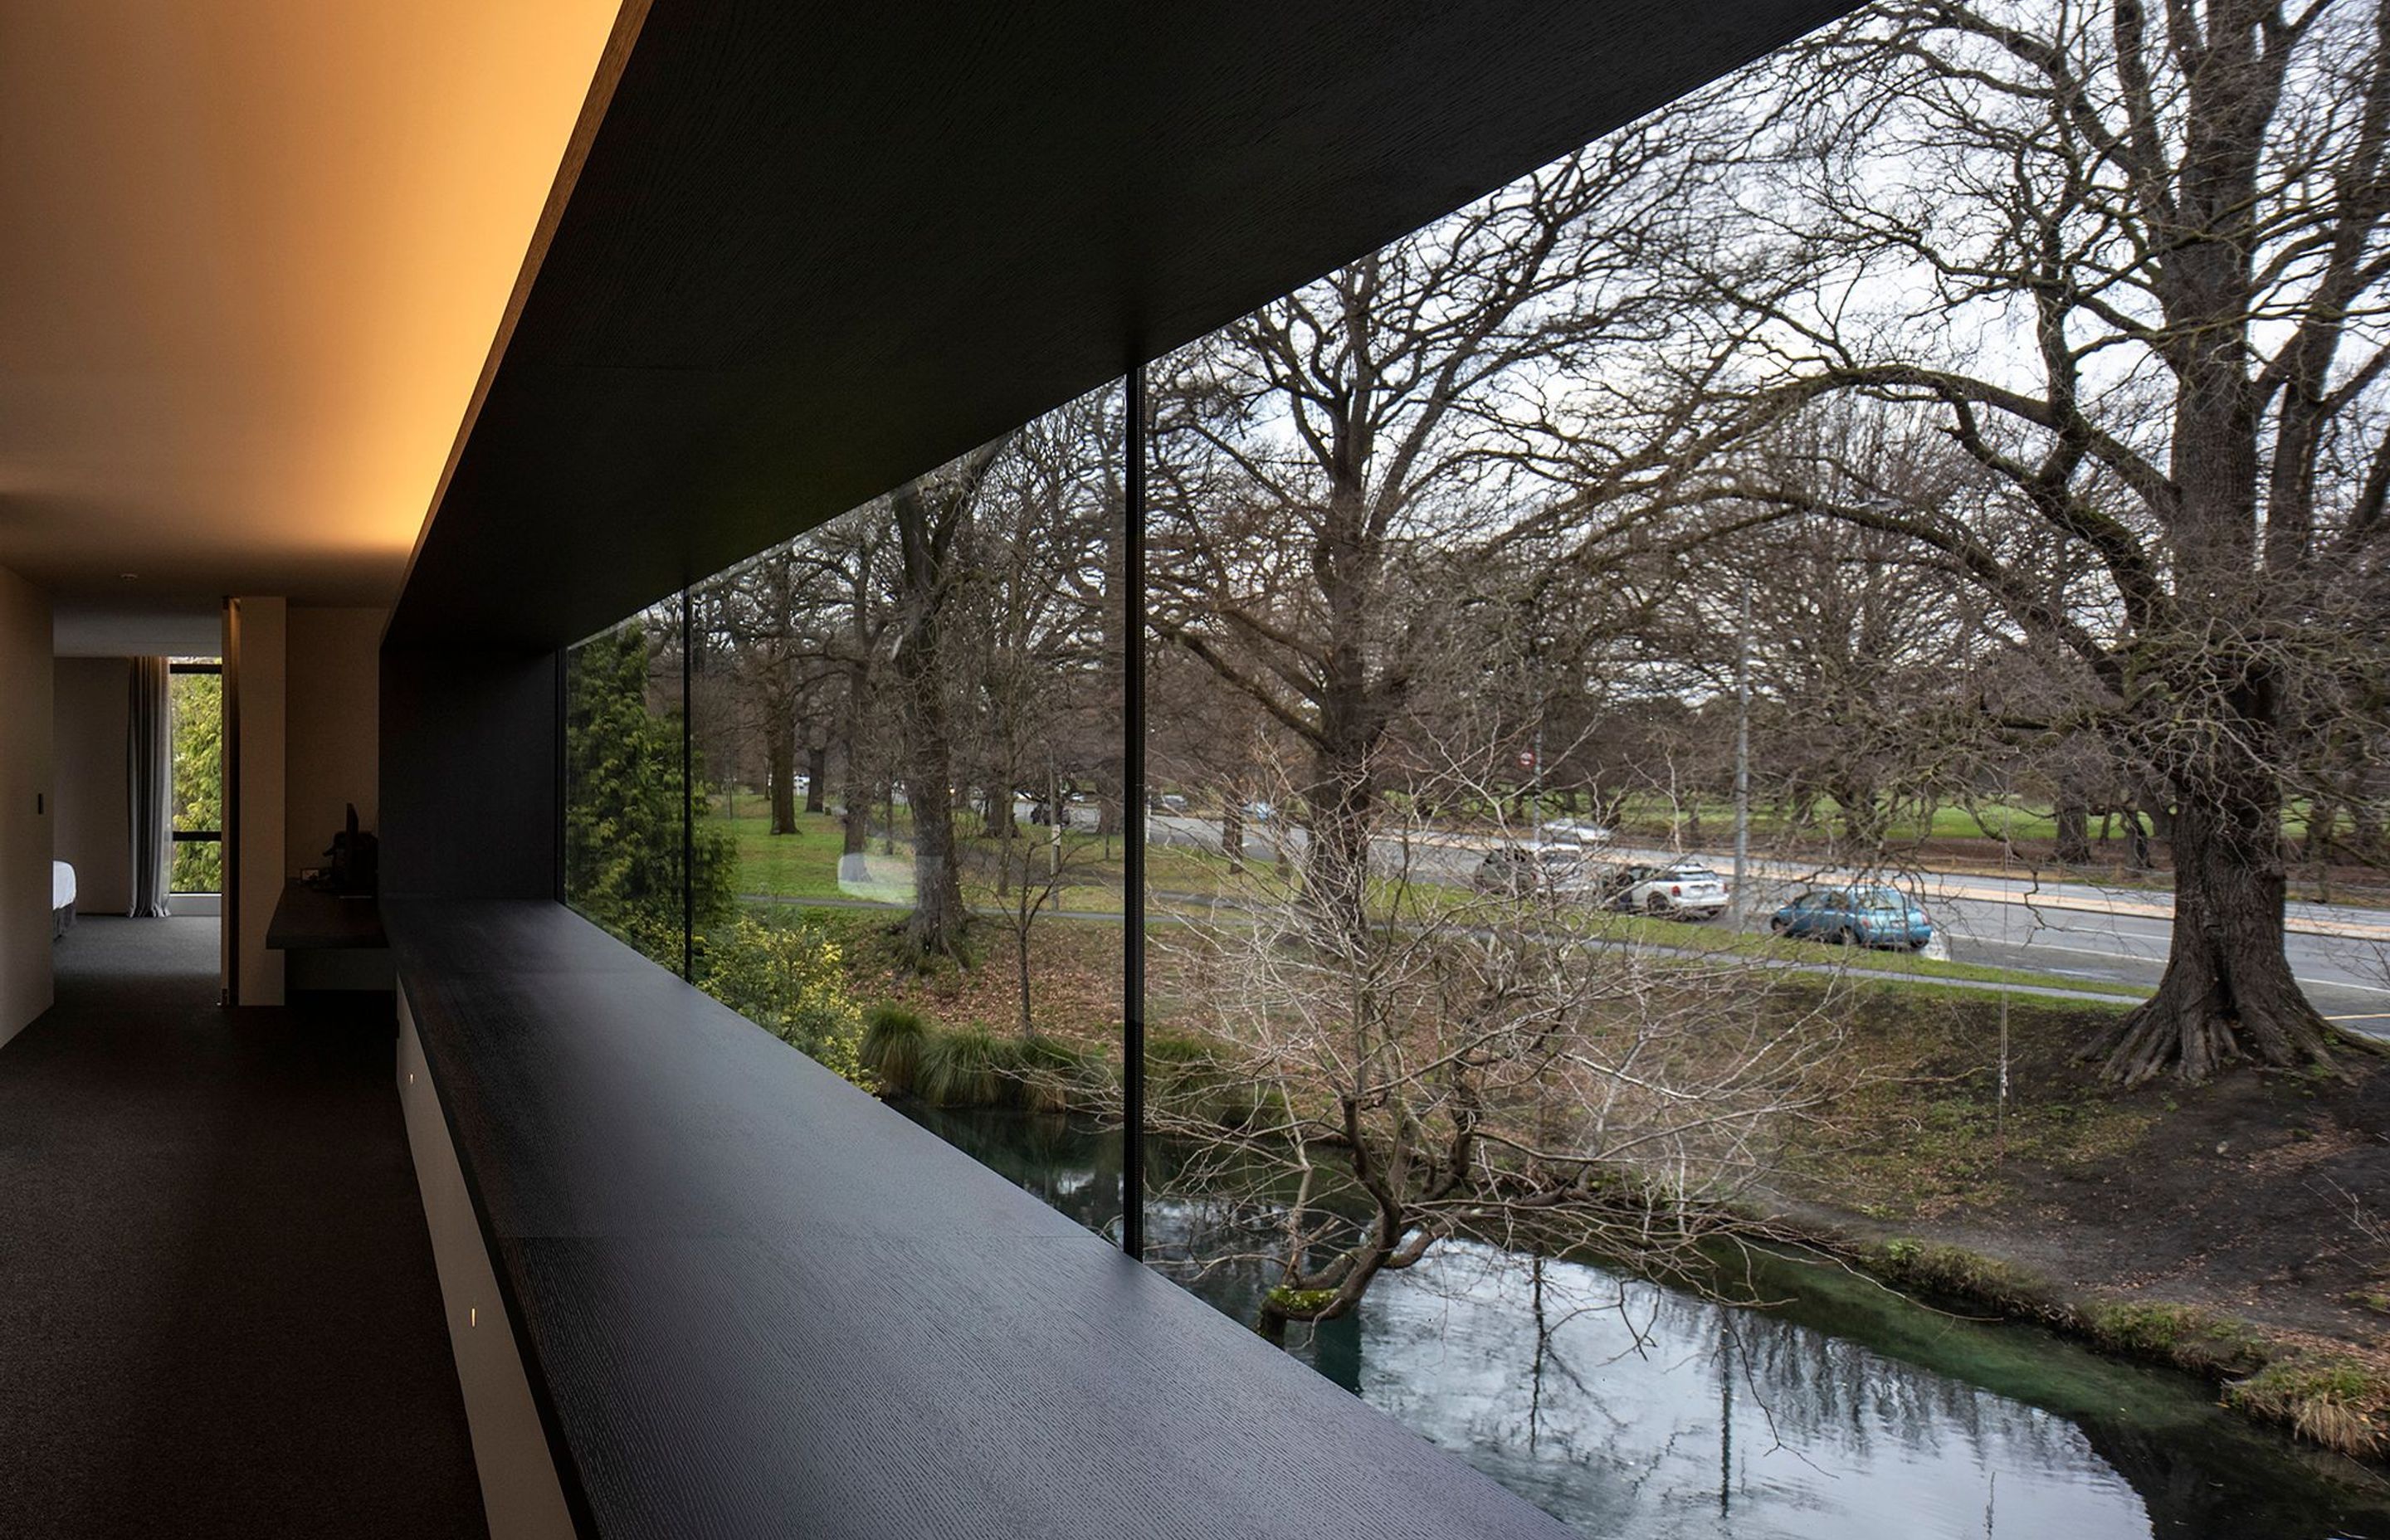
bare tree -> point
(2134, 266)
(932, 519)
(1328, 467)
(1492, 1066)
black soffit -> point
(814, 249)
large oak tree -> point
(2133, 264)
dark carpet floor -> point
(218, 1312)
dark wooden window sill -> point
(753, 1300)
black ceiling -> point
(814, 249)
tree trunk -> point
(854, 823)
(2322, 818)
(780, 762)
(930, 521)
(938, 919)
(1112, 760)
(1864, 818)
(996, 821)
(816, 776)
(1021, 959)
(2073, 835)
(2228, 992)
(1232, 830)
(936, 924)
(1342, 803)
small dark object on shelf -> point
(355, 857)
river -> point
(1639, 1411)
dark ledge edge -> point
(653, 1219)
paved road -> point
(2070, 930)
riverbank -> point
(2236, 1230)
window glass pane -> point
(1393, 1082)
(905, 727)
(196, 700)
(623, 812)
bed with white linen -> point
(62, 898)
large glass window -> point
(1572, 752)
(866, 787)
(627, 859)
(195, 699)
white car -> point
(1579, 834)
(1686, 890)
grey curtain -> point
(150, 784)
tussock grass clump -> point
(1954, 1271)
(2338, 1403)
(2182, 1335)
(973, 1067)
(894, 1041)
(962, 1069)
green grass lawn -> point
(1190, 881)
(804, 865)
(1895, 964)
(1433, 901)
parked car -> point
(1166, 802)
(1684, 889)
(1519, 870)
(1581, 834)
(1861, 915)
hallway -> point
(218, 1312)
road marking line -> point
(2125, 956)
(2349, 930)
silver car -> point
(1519, 870)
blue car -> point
(1857, 916)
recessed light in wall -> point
(472, 1315)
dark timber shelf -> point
(753, 1300)
(308, 919)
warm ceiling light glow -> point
(253, 255)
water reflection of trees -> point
(1630, 1407)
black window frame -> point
(197, 836)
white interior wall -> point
(332, 727)
(331, 758)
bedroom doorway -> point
(104, 713)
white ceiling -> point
(252, 254)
